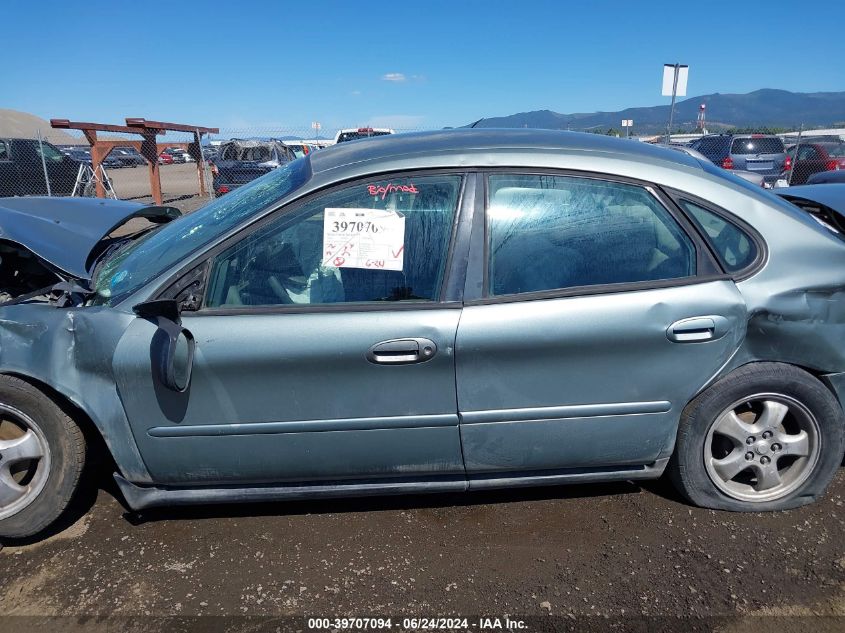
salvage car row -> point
(446, 311)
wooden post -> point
(97, 156)
(195, 150)
(149, 150)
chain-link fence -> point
(52, 163)
(58, 164)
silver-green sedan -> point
(445, 311)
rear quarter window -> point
(735, 249)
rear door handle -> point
(402, 351)
(698, 329)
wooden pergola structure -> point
(148, 147)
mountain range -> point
(766, 108)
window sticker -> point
(363, 238)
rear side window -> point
(734, 248)
(557, 232)
(764, 145)
(713, 146)
(4, 151)
(835, 150)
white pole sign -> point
(680, 89)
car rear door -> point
(317, 359)
(600, 315)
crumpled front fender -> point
(70, 350)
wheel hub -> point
(762, 448)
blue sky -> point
(280, 65)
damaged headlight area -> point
(22, 273)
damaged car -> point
(241, 161)
(447, 311)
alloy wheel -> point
(762, 447)
(24, 461)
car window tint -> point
(765, 145)
(735, 249)
(4, 151)
(835, 150)
(713, 146)
(296, 259)
(49, 152)
(550, 232)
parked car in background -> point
(241, 161)
(84, 156)
(815, 157)
(353, 134)
(177, 154)
(209, 152)
(342, 327)
(826, 204)
(299, 148)
(750, 176)
(165, 158)
(127, 157)
(22, 170)
(827, 177)
(762, 154)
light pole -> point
(675, 84)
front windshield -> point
(134, 265)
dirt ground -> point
(581, 558)
(179, 185)
(598, 557)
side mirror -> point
(172, 347)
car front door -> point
(324, 347)
(600, 317)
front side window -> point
(50, 153)
(735, 249)
(557, 232)
(807, 153)
(373, 241)
(132, 266)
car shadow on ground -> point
(96, 479)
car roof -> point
(480, 146)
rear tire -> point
(42, 454)
(766, 437)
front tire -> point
(766, 437)
(42, 454)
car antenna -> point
(477, 122)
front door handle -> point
(402, 351)
(698, 329)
